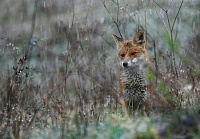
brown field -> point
(59, 68)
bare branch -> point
(155, 58)
(160, 6)
(162, 20)
(117, 11)
(177, 15)
(112, 18)
(32, 27)
(169, 23)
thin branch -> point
(138, 23)
(105, 40)
(32, 28)
(171, 28)
(112, 18)
(162, 20)
(177, 14)
(117, 11)
(160, 6)
(133, 20)
(168, 21)
(145, 21)
(155, 58)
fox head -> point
(132, 52)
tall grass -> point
(60, 68)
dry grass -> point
(59, 64)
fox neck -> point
(134, 83)
(132, 73)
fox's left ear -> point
(140, 38)
(118, 40)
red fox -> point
(134, 61)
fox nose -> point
(125, 64)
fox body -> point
(134, 61)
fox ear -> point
(117, 40)
(140, 38)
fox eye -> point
(122, 55)
(133, 53)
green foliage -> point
(196, 72)
(194, 135)
(169, 41)
(150, 76)
(172, 46)
(117, 127)
(146, 134)
(116, 132)
(161, 88)
(184, 59)
(187, 120)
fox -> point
(134, 63)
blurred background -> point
(59, 62)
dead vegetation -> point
(59, 62)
